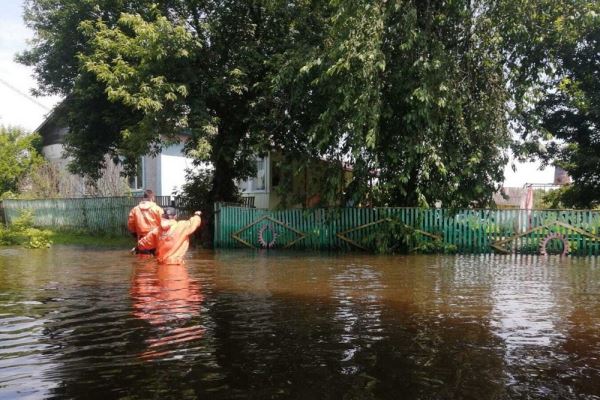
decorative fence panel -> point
(95, 214)
(465, 231)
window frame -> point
(248, 185)
(139, 186)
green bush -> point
(393, 237)
(21, 232)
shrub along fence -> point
(428, 230)
(107, 215)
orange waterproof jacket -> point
(170, 239)
(144, 217)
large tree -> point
(563, 125)
(421, 97)
(415, 95)
(411, 93)
(138, 74)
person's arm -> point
(149, 241)
(193, 223)
(158, 212)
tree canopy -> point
(417, 96)
(412, 95)
(148, 73)
(563, 125)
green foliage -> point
(394, 237)
(195, 195)
(137, 75)
(416, 95)
(18, 154)
(562, 124)
(553, 198)
(21, 232)
(87, 239)
(391, 237)
(411, 93)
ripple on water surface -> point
(78, 323)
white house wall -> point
(171, 169)
(53, 152)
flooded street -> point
(102, 324)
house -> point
(163, 173)
(166, 173)
(523, 197)
(514, 198)
(303, 179)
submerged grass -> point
(22, 232)
(90, 239)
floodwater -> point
(102, 324)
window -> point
(257, 183)
(261, 172)
(136, 182)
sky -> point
(19, 108)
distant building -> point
(522, 197)
(561, 177)
(511, 197)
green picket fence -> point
(95, 214)
(468, 231)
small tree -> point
(19, 153)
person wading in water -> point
(172, 238)
(144, 217)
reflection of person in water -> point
(166, 298)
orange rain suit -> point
(170, 239)
(144, 217)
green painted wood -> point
(471, 231)
(98, 215)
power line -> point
(28, 97)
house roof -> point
(53, 128)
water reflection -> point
(168, 299)
(356, 290)
(525, 308)
(84, 324)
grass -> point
(90, 239)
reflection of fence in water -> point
(471, 231)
